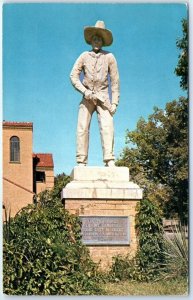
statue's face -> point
(96, 42)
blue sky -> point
(40, 45)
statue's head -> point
(97, 42)
(98, 35)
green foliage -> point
(43, 254)
(157, 151)
(158, 157)
(127, 268)
(182, 67)
(176, 253)
(150, 237)
(60, 181)
(148, 261)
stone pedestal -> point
(105, 200)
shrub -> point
(176, 253)
(150, 237)
(44, 255)
(148, 261)
(60, 181)
(126, 267)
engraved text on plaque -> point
(99, 230)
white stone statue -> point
(97, 66)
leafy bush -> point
(126, 268)
(43, 253)
(60, 181)
(176, 253)
(150, 235)
(148, 261)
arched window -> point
(14, 149)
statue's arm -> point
(75, 75)
(114, 75)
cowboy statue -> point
(96, 65)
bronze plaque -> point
(97, 230)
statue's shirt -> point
(96, 68)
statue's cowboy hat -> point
(100, 30)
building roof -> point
(17, 124)
(44, 159)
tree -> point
(158, 157)
(157, 151)
(182, 67)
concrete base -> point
(104, 191)
(101, 183)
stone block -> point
(101, 183)
(105, 192)
(73, 192)
(119, 174)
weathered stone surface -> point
(101, 183)
(97, 65)
(118, 174)
(101, 193)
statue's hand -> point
(113, 109)
(89, 95)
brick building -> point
(43, 167)
(24, 173)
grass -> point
(126, 288)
